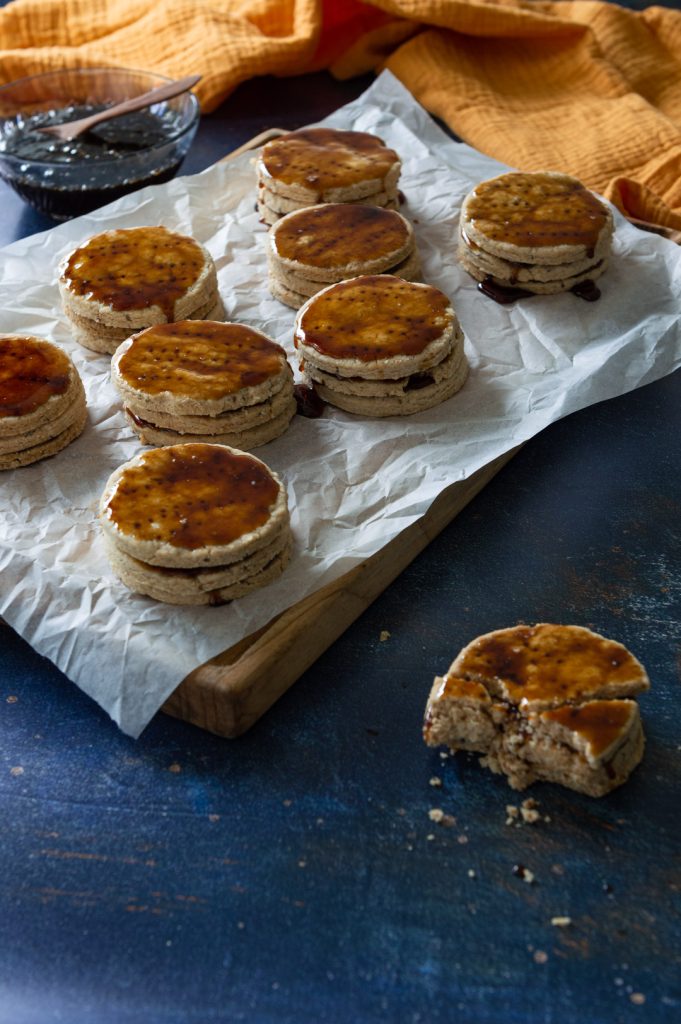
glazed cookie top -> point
(201, 359)
(135, 268)
(548, 665)
(374, 317)
(339, 235)
(535, 210)
(327, 158)
(32, 371)
(193, 504)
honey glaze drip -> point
(505, 294)
(338, 234)
(534, 210)
(192, 496)
(374, 317)
(600, 722)
(324, 158)
(550, 663)
(30, 374)
(308, 401)
(200, 358)
(135, 268)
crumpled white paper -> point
(353, 484)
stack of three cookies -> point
(537, 233)
(195, 524)
(325, 165)
(200, 380)
(42, 400)
(127, 279)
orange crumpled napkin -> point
(582, 86)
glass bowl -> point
(66, 179)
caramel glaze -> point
(200, 358)
(325, 158)
(339, 234)
(192, 496)
(374, 317)
(601, 723)
(134, 268)
(550, 664)
(534, 210)
(31, 372)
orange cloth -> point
(582, 86)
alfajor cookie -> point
(202, 380)
(377, 345)
(323, 244)
(325, 165)
(124, 280)
(42, 400)
(543, 703)
(195, 524)
(534, 233)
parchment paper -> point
(353, 484)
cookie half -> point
(127, 279)
(42, 400)
(543, 703)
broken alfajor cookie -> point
(543, 703)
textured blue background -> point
(294, 875)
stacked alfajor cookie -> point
(381, 346)
(127, 279)
(537, 233)
(325, 165)
(201, 380)
(195, 524)
(323, 244)
(42, 401)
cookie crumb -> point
(522, 872)
(175, 768)
(462, 839)
(436, 814)
(512, 813)
(430, 837)
(561, 922)
(540, 957)
(637, 998)
(17, 770)
(383, 636)
(435, 781)
(529, 812)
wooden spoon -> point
(72, 129)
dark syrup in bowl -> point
(66, 179)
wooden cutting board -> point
(227, 694)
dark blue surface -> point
(294, 875)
